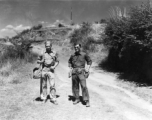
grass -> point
(12, 58)
(141, 91)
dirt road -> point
(108, 101)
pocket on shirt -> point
(73, 61)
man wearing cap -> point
(48, 62)
(79, 73)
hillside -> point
(109, 98)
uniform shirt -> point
(48, 58)
(78, 60)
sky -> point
(17, 15)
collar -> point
(50, 52)
(78, 53)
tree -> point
(103, 21)
(129, 40)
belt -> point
(46, 69)
(78, 67)
(49, 65)
(77, 70)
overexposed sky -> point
(22, 14)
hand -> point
(87, 70)
(39, 62)
(70, 73)
(53, 67)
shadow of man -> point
(38, 99)
(72, 98)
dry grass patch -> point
(8, 79)
(12, 58)
(142, 91)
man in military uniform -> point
(79, 73)
(48, 62)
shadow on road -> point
(72, 98)
(131, 75)
(38, 99)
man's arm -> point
(56, 61)
(89, 62)
(70, 66)
(56, 64)
(40, 59)
(70, 62)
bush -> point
(61, 25)
(129, 41)
(18, 54)
(12, 57)
(28, 35)
(81, 35)
(37, 27)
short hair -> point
(48, 42)
(77, 44)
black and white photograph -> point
(75, 59)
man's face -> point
(77, 48)
(48, 47)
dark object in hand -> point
(36, 73)
(86, 74)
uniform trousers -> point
(47, 76)
(79, 80)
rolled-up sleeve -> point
(70, 61)
(56, 57)
(39, 59)
(88, 59)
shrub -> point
(37, 27)
(61, 25)
(81, 35)
(18, 54)
(13, 54)
(12, 57)
(103, 21)
(129, 41)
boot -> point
(42, 97)
(87, 103)
(76, 101)
(54, 101)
